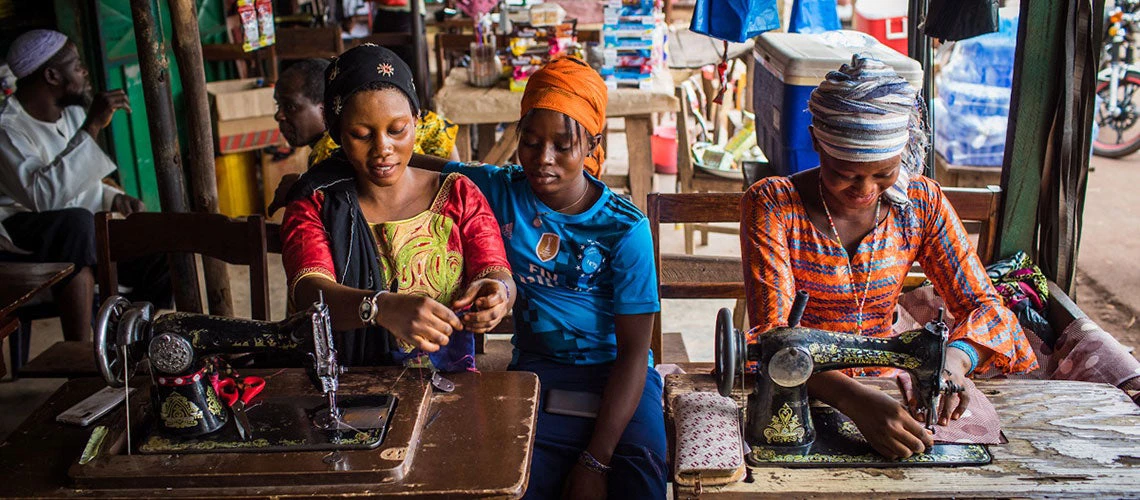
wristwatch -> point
(370, 308)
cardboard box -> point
(237, 99)
(246, 134)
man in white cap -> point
(52, 170)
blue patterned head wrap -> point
(866, 112)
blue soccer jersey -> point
(574, 272)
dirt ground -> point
(1108, 312)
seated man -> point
(299, 92)
(51, 171)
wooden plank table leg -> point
(505, 148)
(463, 142)
(637, 139)
(8, 326)
(486, 132)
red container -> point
(664, 144)
(886, 20)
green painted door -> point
(108, 43)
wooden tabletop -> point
(1066, 438)
(20, 281)
(465, 104)
(477, 442)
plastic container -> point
(788, 67)
(664, 143)
(886, 20)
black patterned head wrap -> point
(365, 67)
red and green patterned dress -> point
(784, 252)
(435, 253)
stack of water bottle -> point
(972, 107)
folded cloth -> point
(1087, 353)
(978, 425)
(709, 444)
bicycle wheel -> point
(1118, 135)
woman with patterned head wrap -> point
(583, 261)
(848, 232)
(393, 249)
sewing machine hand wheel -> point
(729, 352)
(119, 328)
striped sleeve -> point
(949, 260)
(768, 283)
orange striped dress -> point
(784, 252)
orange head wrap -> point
(573, 88)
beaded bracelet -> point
(585, 459)
(505, 285)
(970, 351)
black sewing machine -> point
(781, 426)
(188, 414)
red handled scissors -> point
(237, 395)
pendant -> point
(537, 222)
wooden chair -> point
(692, 276)
(449, 48)
(689, 179)
(239, 242)
(322, 42)
(978, 208)
(234, 241)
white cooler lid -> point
(805, 59)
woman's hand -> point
(584, 483)
(417, 320)
(887, 425)
(489, 299)
(955, 402)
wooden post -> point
(203, 182)
(155, 71)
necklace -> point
(537, 222)
(850, 270)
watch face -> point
(366, 310)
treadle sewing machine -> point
(782, 427)
(334, 429)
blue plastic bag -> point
(735, 20)
(813, 16)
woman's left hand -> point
(584, 483)
(489, 303)
(954, 403)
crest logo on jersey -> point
(547, 247)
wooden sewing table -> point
(473, 442)
(485, 108)
(1074, 439)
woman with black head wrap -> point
(399, 253)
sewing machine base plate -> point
(286, 424)
(109, 465)
(838, 443)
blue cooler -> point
(788, 67)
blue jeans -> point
(639, 469)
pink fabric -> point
(1086, 352)
(978, 425)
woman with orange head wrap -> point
(582, 259)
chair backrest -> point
(978, 207)
(449, 47)
(239, 242)
(303, 43)
(691, 276)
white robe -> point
(49, 166)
